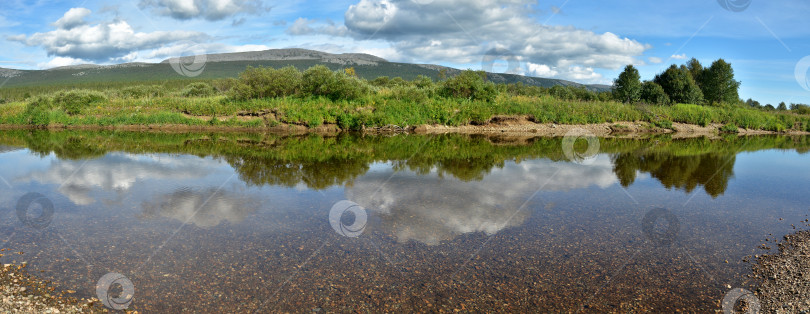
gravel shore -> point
(784, 277)
(23, 293)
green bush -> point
(664, 124)
(729, 128)
(141, 91)
(320, 81)
(73, 102)
(198, 89)
(410, 93)
(470, 85)
(259, 83)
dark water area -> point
(209, 222)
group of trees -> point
(690, 83)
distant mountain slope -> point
(231, 64)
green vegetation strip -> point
(266, 97)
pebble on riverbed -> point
(23, 293)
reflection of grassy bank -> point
(321, 162)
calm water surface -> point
(241, 222)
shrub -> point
(37, 111)
(561, 92)
(198, 89)
(410, 93)
(73, 102)
(470, 85)
(320, 81)
(141, 91)
(257, 83)
(422, 81)
(729, 128)
(664, 124)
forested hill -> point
(231, 64)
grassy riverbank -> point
(268, 98)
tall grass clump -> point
(75, 101)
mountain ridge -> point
(221, 65)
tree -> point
(719, 85)
(627, 88)
(781, 106)
(696, 69)
(653, 93)
(679, 85)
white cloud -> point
(73, 18)
(679, 57)
(655, 60)
(303, 26)
(77, 180)
(61, 62)
(462, 31)
(106, 41)
(431, 209)
(206, 208)
(212, 10)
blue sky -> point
(583, 41)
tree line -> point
(690, 83)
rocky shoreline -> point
(21, 292)
(784, 277)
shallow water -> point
(241, 222)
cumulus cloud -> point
(679, 57)
(212, 10)
(72, 18)
(77, 180)
(462, 31)
(204, 208)
(106, 41)
(431, 209)
(303, 26)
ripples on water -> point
(241, 222)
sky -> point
(589, 42)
